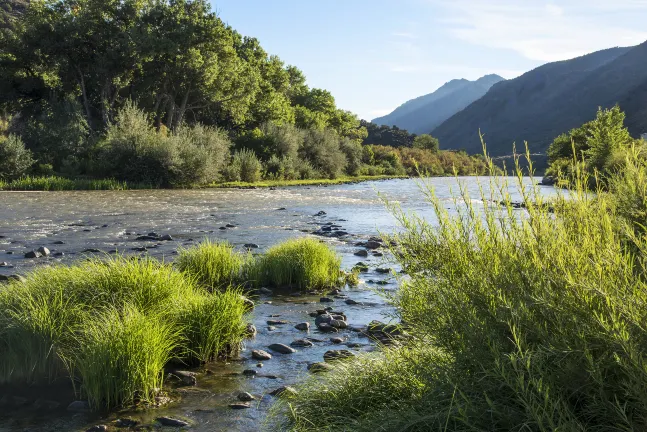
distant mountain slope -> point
(423, 114)
(552, 99)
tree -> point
(15, 160)
(426, 142)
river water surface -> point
(74, 225)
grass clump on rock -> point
(215, 265)
(302, 263)
(112, 325)
(525, 320)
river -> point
(74, 225)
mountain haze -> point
(552, 99)
(423, 114)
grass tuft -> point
(54, 183)
(302, 263)
(113, 323)
(215, 265)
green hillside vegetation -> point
(514, 323)
(161, 94)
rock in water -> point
(319, 367)
(245, 397)
(338, 355)
(282, 349)
(284, 391)
(33, 254)
(240, 406)
(79, 406)
(251, 246)
(302, 343)
(187, 378)
(250, 331)
(304, 326)
(261, 355)
(98, 428)
(43, 251)
(371, 244)
(171, 422)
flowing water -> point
(74, 225)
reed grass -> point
(526, 320)
(54, 183)
(112, 324)
(211, 325)
(303, 263)
(215, 265)
(121, 356)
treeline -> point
(165, 93)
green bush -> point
(302, 263)
(138, 153)
(321, 148)
(54, 183)
(214, 265)
(244, 166)
(15, 160)
(525, 323)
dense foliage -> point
(164, 93)
(599, 147)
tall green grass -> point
(527, 320)
(302, 263)
(214, 265)
(112, 324)
(53, 183)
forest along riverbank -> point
(72, 225)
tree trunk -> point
(170, 114)
(180, 115)
(84, 96)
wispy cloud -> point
(406, 35)
(543, 31)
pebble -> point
(304, 326)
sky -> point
(374, 55)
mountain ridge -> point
(424, 113)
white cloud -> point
(542, 31)
(406, 35)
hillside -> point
(423, 114)
(550, 100)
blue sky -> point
(374, 55)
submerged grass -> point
(215, 265)
(525, 320)
(302, 263)
(112, 324)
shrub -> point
(353, 152)
(280, 169)
(15, 160)
(321, 148)
(302, 263)
(426, 142)
(536, 323)
(244, 166)
(140, 154)
(213, 265)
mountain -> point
(552, 99)
(423, 114)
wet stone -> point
(284, 391)
(361, 253)
(337, 340)
(245, 397)
(271, 328)
(319, 367)
(334, 355)
(282, 349)
(261, 355)
(304, 326)
(126, 422)
(97, 428)
(249, 372)
(240, 405)
(33, 254)
(171, 422)
(302, 343)
(277, 322)
(326, 300)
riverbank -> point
(54, 183)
